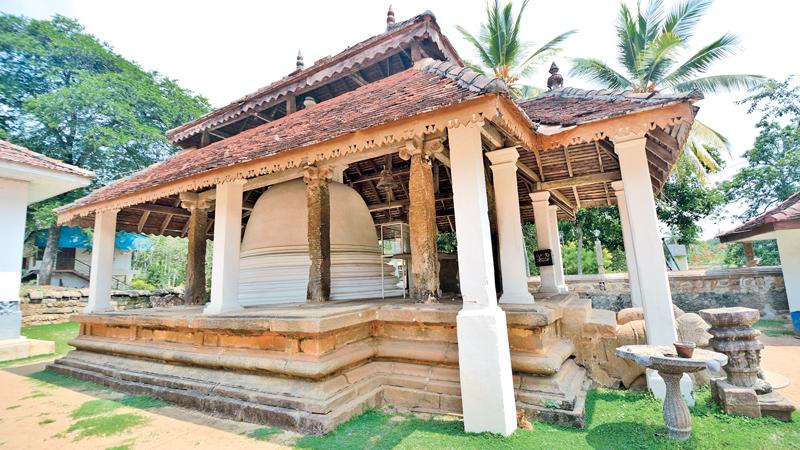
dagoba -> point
(274, 254)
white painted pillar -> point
(105, 230)
(13, 206)
(558, 260)
(509, 226)
(541, 217)
(227, 244)
(487, 390)
(652, 269)
(789, 252)
(630, 255)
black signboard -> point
(543, 258)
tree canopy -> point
(67, 95)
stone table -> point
(671, 368)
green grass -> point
(263, 434)
(46, 421)
(616, 420)
(774, 328)
(102, 406)
(60, 333)
(49, 379)
(106, 425)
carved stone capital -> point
(317, 175)
(426, 149)
(193, 201)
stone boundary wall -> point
(760, 288)
(48, 305)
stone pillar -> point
(630, 255)
(789, 252)
(422, 219)
(749, 254)
(319, 233)
(509, 226)
(558, 260)
(227, 243)
(487, 390)
(195, 290)
(541, 217)
(652, 269)
(656, 298)
(13, 207)
(105, 230)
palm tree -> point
(650, 43)
(501, 51)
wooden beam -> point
(563, 202)
(142, 221)
(569, 170)
(443, 157)
(151, 207)
(608, 147)
(539, 163)
(493, 137)
(356, 78)
(583, 180)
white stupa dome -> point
(274, 253)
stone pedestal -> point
(742, 392)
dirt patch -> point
(781, 355)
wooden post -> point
(319, 233)
(195, 289)
(749, 254)
(422, 219)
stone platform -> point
(310, 367)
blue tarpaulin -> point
(74, 237)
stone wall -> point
(760, 288)
(41, 306)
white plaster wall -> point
(789, 251)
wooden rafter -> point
(571, 174)
(603, 177)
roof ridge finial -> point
(300, 63)
(389, 18)
(555, 81)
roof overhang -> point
(43, 183)
(764, 232)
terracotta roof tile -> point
(786, 211)
(570, 106)
(326, 67)
(20, 155)
(397, 97)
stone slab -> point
(22, 347)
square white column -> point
(789, 252)
(509, 226)
(487, 390)
(656, 298)
(652, 268)
(544, 236)
(227, 244)
(630, 254)
(558, 261)
(105, 231)
(13, 206)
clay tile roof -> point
(21, 155)
(570, 106)
(784, 215)
(412, 92)
(329, 66)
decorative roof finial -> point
(555, 80)
(389, 18)
(300, 63)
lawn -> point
(61, 333)
(616, 419)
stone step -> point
(775, 405)
(560, 390)
(574, 416)
(601, 322)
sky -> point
(226, 49)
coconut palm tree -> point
(650, 44)
(502, 52)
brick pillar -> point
(422, 219)
(195, 290)
(319, 233)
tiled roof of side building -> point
(786, 211)
(397, 35)
(570, 106)
(20, 155)
(403, 95)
